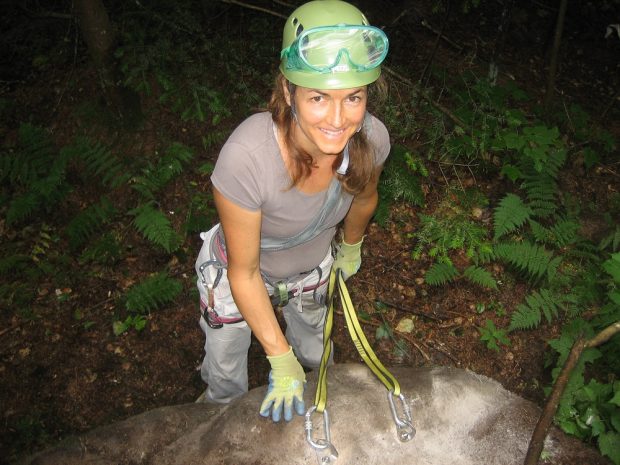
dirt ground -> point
(65, 372)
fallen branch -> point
(546, 417)
(426, 97)
(254, 7)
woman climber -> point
(283, 183)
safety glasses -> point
(323, 49)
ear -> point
(287, 93)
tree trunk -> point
(100, 38)
(553, 65)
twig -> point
(436, 45)
(546, 417)
(12, 327)
(286, 4)
(439, 33)
(456, 361)
(253, 7)
(425, 96)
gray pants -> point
(224, 367)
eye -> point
(317, 98)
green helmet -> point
(328, 44)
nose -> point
(335, 117)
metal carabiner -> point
(326, 452)
(404, 426)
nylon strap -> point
(359, 340)
(320, 397)
(317, 226)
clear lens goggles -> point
(323, 49)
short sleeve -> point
(236, 176)
(380, 138)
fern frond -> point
(180, 152)
(100, 163)
(510, 215)
(529, 258)
(480, 276)
(152, 293)
(536, 305)
(22, 207)
(398, 181)
(566, 232)
(105, 251)
(31, 159)
(155, 227)
(441, 273)
(155, 177)
(88, 222)
(613, 240)
(541, 195)
(484, 254)
(13, 263)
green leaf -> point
(615, 399)
(118, 327)
(512, 172)
(383, 332)
(609, 445)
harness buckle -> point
(325, 450)
(404, 425)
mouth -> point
(332, 134)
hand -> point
(286, 387)
(348, 258)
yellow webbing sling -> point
(404, 425)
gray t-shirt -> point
(251, 173)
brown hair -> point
(361, 151)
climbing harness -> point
(325, 450)
(279, 297)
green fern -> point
(152, 293)
(13, 264)
(532, 259)
(99, 162)
(540, 181)
(611, 241)
(30, 160)
(400, 181)
(155, 177)
(480, 276)
(35, 173)
(155, 227)
(542, 195)
(88, 221)
(22, 207)
(510, 215)
(537, 304)
(441, 273)
(560, 234)
(105, 251)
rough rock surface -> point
(461, 418)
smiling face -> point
(327, 119)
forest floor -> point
(63, 371)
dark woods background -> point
(494, 247)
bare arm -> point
(361, 211)
(242, 232)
